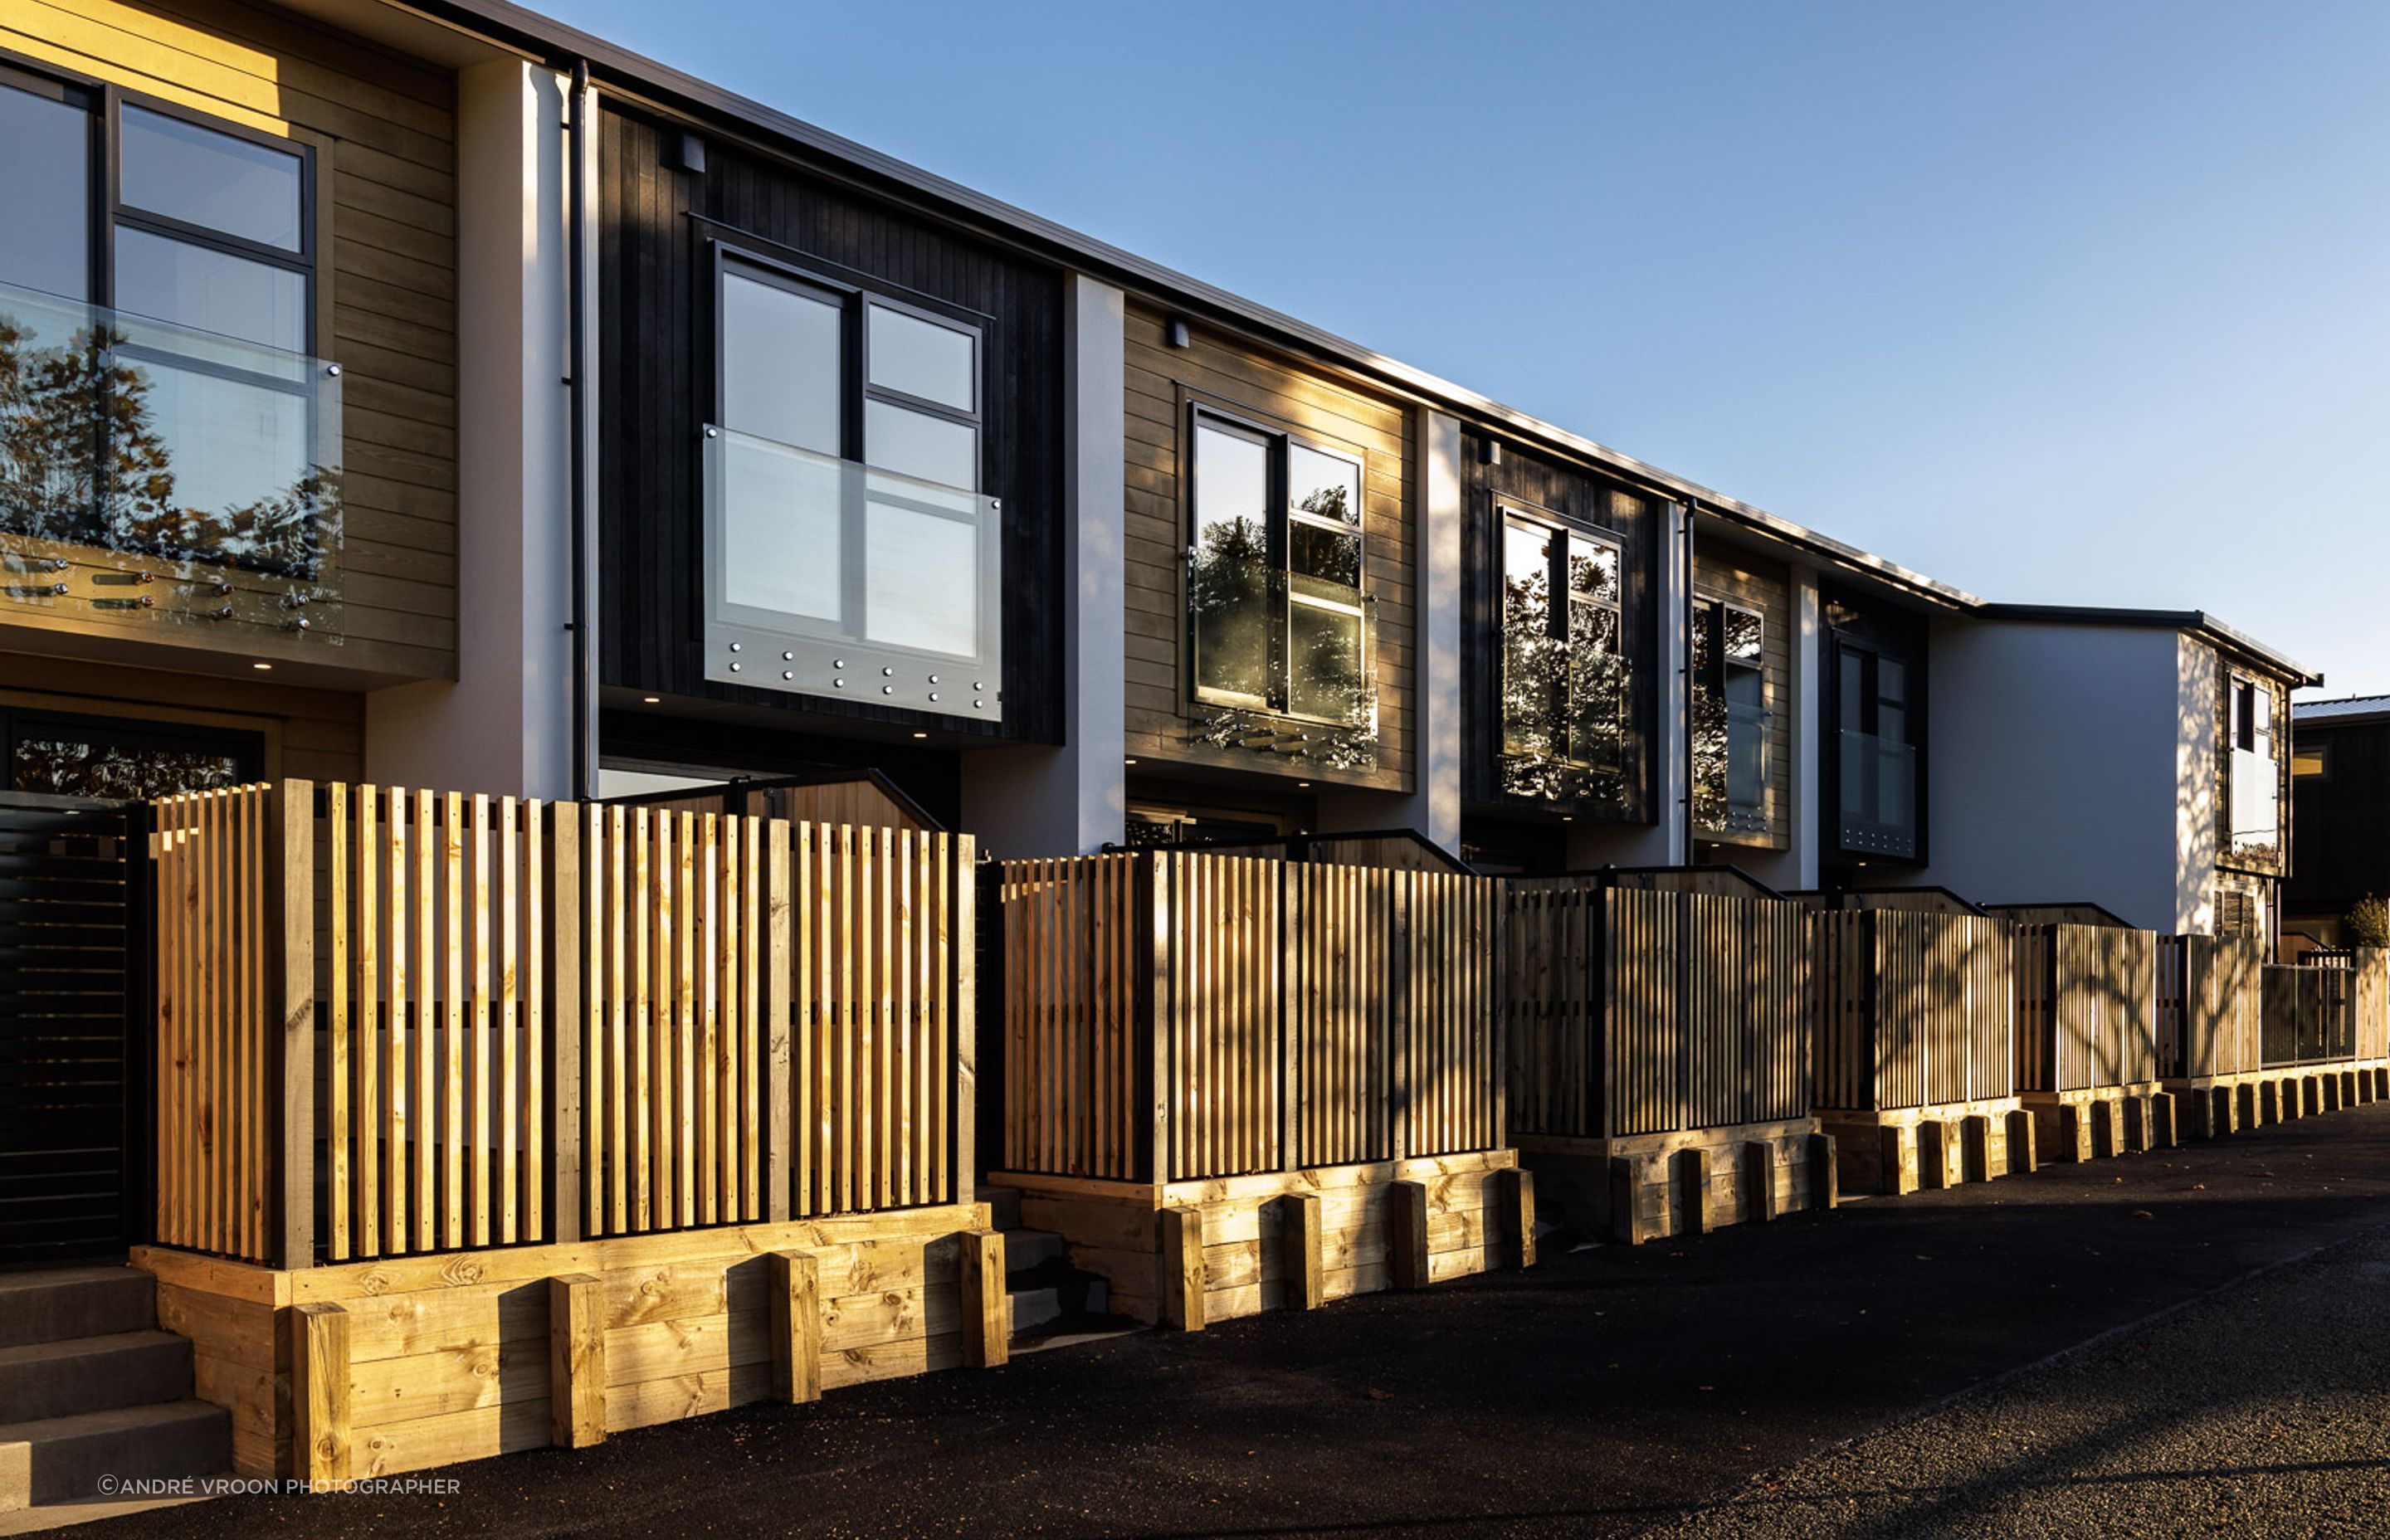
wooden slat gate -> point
(71, 938)
(1914, 1009)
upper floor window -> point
(1277, 614)
(844, 511)
(1876, 763)
(2253, 774)
(1730, 716)
(157, 282)
(1563, 667)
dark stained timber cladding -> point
(1584, 499)
(655, 347)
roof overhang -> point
(2237, 644)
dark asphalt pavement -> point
(1603, 1392)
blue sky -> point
(2063, 303)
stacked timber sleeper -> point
(486, 1125)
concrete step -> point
(39, 1381)
(59, 1459)
(50, 1304)
(1031, 1308)
(1003, 1206)
(1025, 1250)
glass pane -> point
(45, 189)
(1705, 622)
(214, 180)
(782, 533)
(923, 359)
(1329, 558)
(1531, 658)
(1742, 631)
(1324, 648)
(1851, 703)
(209, 291)
(1891, 723)
(917, 444)
(1891, 682)
(221, 455)
(1228, 587)
(1745, 758)
(783, 358)
(1597, 687)
(1323, 485)
(922, 571)
(1746, 686)
(1593, 569)
(79, 764)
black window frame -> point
(1278, 557)
(1710, 610)
(1561, 535)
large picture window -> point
(851, 551)
(2253, 771)
(1876, 763)
(157, 304)
(1731, 717)
(1564, 670)
(1277, 618)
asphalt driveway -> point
(1606, 1392)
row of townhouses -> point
(534, 586)
(433, 395)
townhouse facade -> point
(2340, 843)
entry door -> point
(70, 1077)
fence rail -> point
(396, 1022)
(1635, 1010)
(1170, 1016)
(2087, 1007)
(1915, 1008)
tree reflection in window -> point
(1278, 620)
(88, 454)
(1729, 718)
(1564, 670)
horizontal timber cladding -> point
(2086, 1007)
(1634, 1011)
(1578, 499)
(1740, 577)
(1173, 1016)
(1166, 724)
(532, 1022)
(449, 1353)
(1914, 1009)
(2210, 1005)
(656, 348)
(309, 734)
(382, 129)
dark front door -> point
(70, 1077)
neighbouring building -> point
(2340, 826)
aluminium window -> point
(2252, 771)
(198, 235)
(1277, 617)
(1731, 717)
(1564, 673)
(846, 523)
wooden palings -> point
(1068, 928)
(2086, 1007)
(1453, 1058)
(1913, 1008)
(2209, 1005)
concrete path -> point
(1605, 1392)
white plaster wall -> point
(1432, 805)
(2197, 784)
(1039, 801)
(2052, 766)
(505, 725)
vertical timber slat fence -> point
(1178, 1016)
(1635, 1011)
(399, 1021)
(2210, 1012)
(2087, 1008)
(1914, 1009)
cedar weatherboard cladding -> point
(655, 317)
(1582, 500)
(1238, 378)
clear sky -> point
(2063, 303)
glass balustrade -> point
(831, 578)
(150, 473)
(1879, 812)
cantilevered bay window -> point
(2254, 769)
(1730, 718)
(849, 550)
(1564, 672)
(1277, 619)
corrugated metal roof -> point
(2343, 709)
